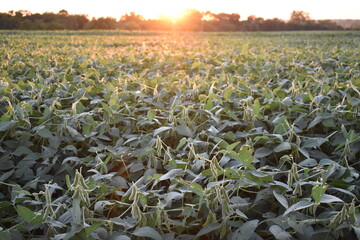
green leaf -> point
(151, 114)
(184, 131)
(28, 215)
(202, 98)
(227, 92)
(232, 146)
(244, 48)
(282, 127)
(120, 237)
(329, 122)
(181, 143)
(22, 150)
(4, 126)
(75, 229)
(257, 108)
(282, 147)
(126, 223)
(44, 133)
(147, 232)
(282, 200)
(287, 101)
(198, 65)
(343, 191)
(279, 233)
(245, 152)
(357, 231)
(74, 133)
(6, 175)
(310, 162)
(221, 143)
(113, 101)
(245, 155)
(5, 235)
(209, 104)
(298, 206)
(262, 152)
(246, 231)
(160, 130)
(314, 142)
(171, 174)
(208, 228)
(195, 187)
(317, 192)
(241, 214)
(303, 151)
(326, 198)
(314, 122)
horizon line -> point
(159, 16)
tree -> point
(226, 22)
(252, 24)
(132, 16)
(225, 17)
(131, 21)
(102, 23)
(63, 12)
(299, 17)
(191, 21)
(274, 24)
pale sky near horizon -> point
(318, 9)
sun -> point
(173, 14)
(163, 9)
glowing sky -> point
(318, 9)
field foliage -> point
(179, 136)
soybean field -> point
(120, 135)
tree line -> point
(192, 20)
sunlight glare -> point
(172, 13)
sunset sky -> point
(318, 9)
